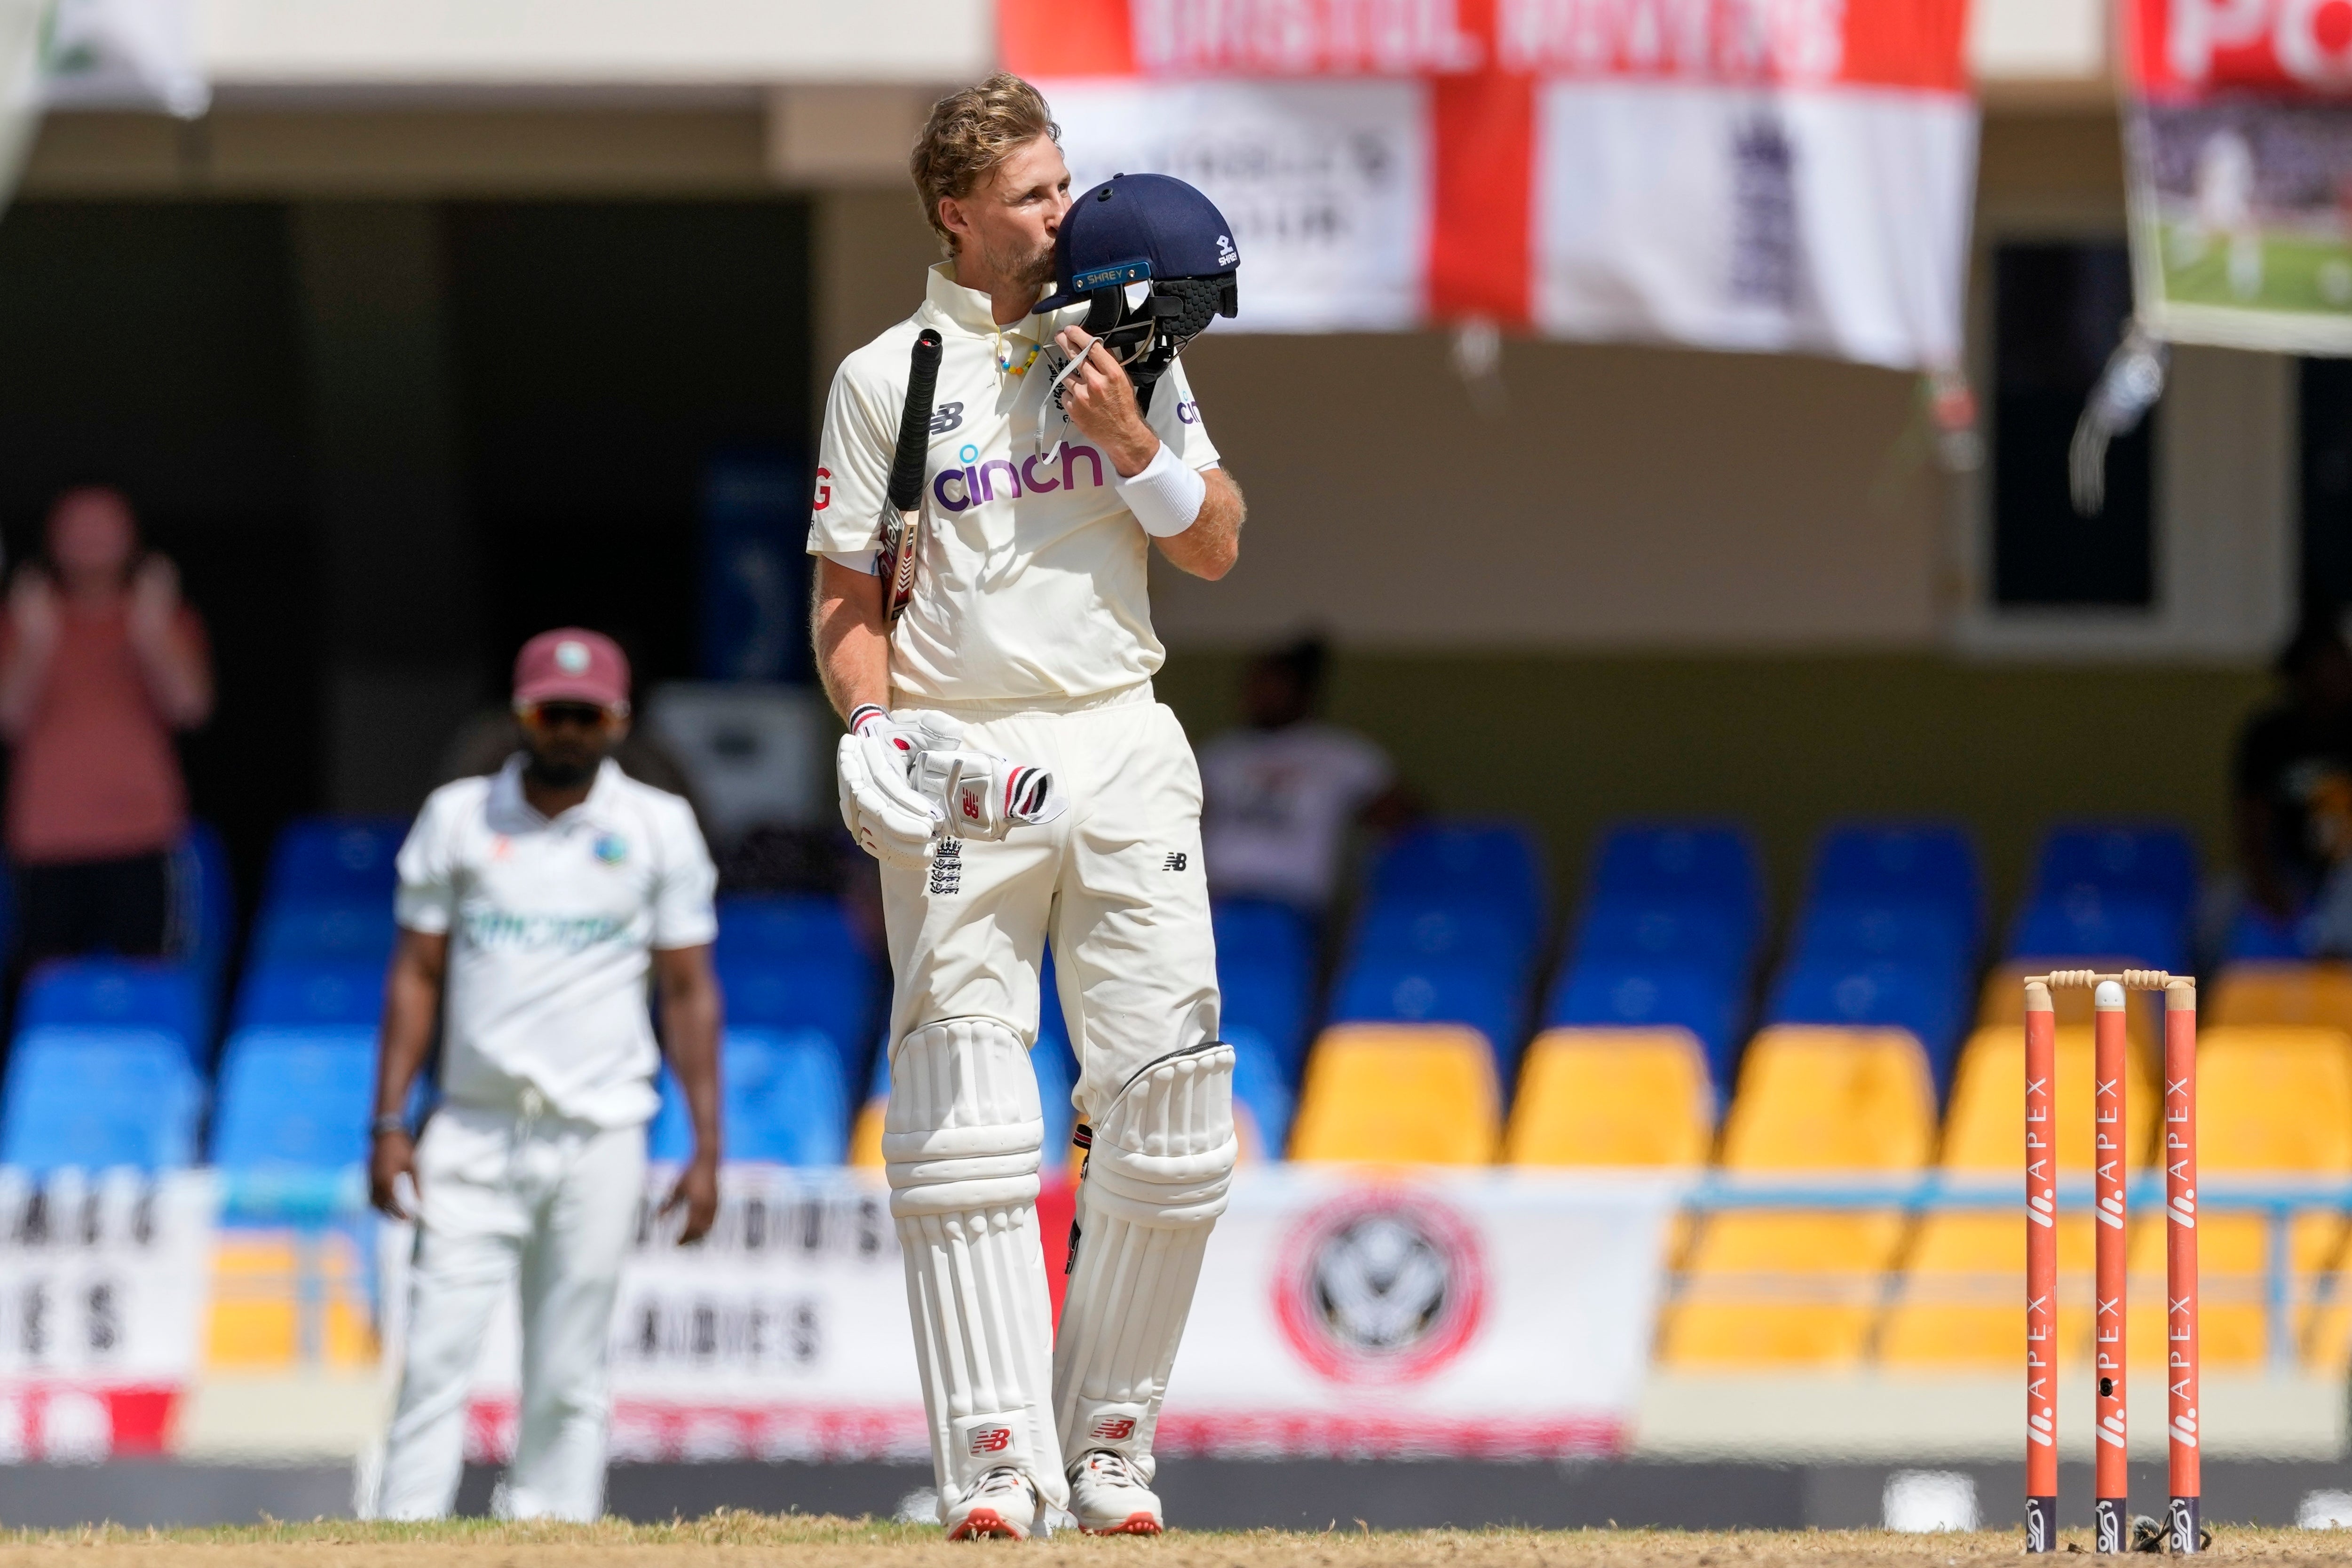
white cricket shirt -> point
(551, 923)
(1030, 583)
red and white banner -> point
(1339, 1314)
(104, 1285)
(1758, 174)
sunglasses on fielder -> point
(577, 715)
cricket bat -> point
(902, 515)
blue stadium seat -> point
(296, 1097)
(782, 1099)
(119, 993)
(2147, 860)
(1842, 927)
(833, 993)
(1262, 1089)
(1057, 1075)
(2254, 934)
(1647, 993)
(1489, 864)
(1435, 992)
(204, 905)
(1695, 862)
(755, 928)
(100, 1096)
(1396, 932)
(311, 930)
(1928, 861)
(1262, 932)
(1621, 929)
(1271, 1000)
(310, 995)
(1930, 1000)
(2086, 923)
(336, 858)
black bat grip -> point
(915, 424)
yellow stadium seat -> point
(1612, 1097)
(1772, 1288)
(1985, 1128)
(1778, 1289)
(2001, 1005)
(2267, 993)
(866, 1133)
(283, 1299)
(1815, 1099)
(1961, 1297)
(2270, 1100)
(1399, 1094)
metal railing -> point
(2279, 1201)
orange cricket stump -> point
(2111, 1173)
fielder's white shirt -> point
(1032, 583)
(551, 925)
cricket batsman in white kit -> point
(533, 906)
(988, 638)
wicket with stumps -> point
(2111, 1161)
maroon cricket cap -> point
(572, 664)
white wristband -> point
(1166, 495)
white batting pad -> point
(961, 1142)
(1156, 1181)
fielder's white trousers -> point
(546, 1204)
(1116, 884)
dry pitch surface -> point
(746, 1538)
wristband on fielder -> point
(1166, 497)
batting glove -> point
(889, 817)
(977, 794)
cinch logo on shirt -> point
(977, 483)
(507, 928)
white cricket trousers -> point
(1116, 884)
(550, 1205)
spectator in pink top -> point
(101, 662)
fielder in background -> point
(1008, 766)
(532, 907)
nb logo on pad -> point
(1113, 1428)
(991, 1440)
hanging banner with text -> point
(2238, 126)
(1339, 1314)
(103, 1288)
(1758, 174)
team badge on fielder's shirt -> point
(612, 848)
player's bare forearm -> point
(1211, 546)
(852, 638)
(690, 1019)
(412, 999)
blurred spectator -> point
(2293, 776)
(101, 662)
(1284, 791)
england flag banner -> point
(1340, 1313)
(1786, 176)
(2238, 126)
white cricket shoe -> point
(1108, 1498)
(1002, 1506)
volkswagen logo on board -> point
(1380, 1287)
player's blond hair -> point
(969, 136)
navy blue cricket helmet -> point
(1154, 261)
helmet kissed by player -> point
(1154, 261)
